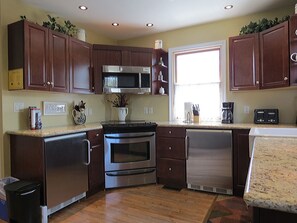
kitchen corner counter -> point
(272, 177)
(219, 125)
(54, 131)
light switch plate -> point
(54, 108)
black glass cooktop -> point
(115, 126)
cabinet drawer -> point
(171, 169)
(171, 148)
(171, 132)
(95, 136)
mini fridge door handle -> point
(89, 152)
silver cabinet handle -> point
(296, 32)
(89, 152)
(48, 83)
(187, 146)
(169, 169)
(169, 148)
(169, 132)
(257, 82)
(285, 78)
(294, 57)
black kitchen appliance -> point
(227, 112)
(266, 116)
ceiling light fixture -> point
(149, 24)
(83, 7)
(227, 7)
(115, 24)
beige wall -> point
(284, 99)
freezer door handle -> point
(89, 152)
(187, 147)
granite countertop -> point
(219, 125)
(272, 177)
(53, 131)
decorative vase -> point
(79, 117)
(122, 113)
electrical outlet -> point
(18, 106)
(151, 110)
(145, 110)
(246, 109)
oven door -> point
(125, 151)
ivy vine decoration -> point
(263, 24)
(68, 28)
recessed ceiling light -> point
(149, 24)
(83, 7)
(228, 7)
(115, 24)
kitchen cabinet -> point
(262, 215)
(241, 160)
(96, 166)
(171, 157)
(244, 62)
(46, 60)
(118, 55)
(274, 56)
(59, 163)
(293, 49)
(81, 67)
(260, 60)
(160, 71)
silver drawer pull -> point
(97, 134)
(169, 169)
(169, 132)
(285, 78)
(169, 148)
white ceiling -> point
(164, 14)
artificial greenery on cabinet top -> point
(261, 25)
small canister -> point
(158, 44)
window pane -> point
(198, 67)
(206, 95)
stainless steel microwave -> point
(126, 79)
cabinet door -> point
(104, 57)
(293, 50)
(36, 57)
(241, 160)
(80, 67)
(244, 62)
(59, 62)
(275, 56)
(96, 167)
(139, 58)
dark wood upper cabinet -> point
(47, 57)
(118, 55)
(28, 50)
(59, 61)
(260, 60)
(81, 70)
(275, 56)
(293, 49)
(244, 62)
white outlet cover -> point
(54, 108)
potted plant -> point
(120, 102)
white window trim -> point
(171, 67)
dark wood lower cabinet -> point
(241, 160)
(96, 166)
(261, 215)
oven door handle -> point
(129, 137)
(129, 172)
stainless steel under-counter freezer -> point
(209, 160)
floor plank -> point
(145, 204)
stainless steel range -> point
(130, 153)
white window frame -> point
(171, 67)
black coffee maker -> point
(227, 112)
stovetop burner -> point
(115, 126)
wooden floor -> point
(145, 204)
